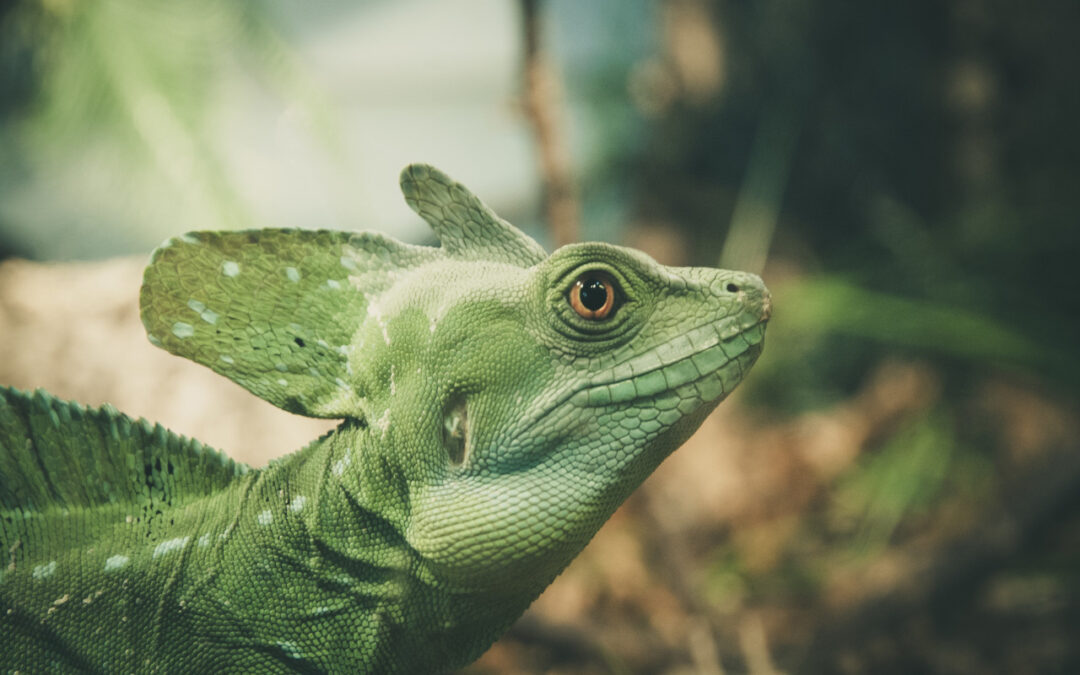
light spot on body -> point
(292, 274)
(348, 263)
(297, 503)
(190, 239)
(333, 284)
(116, 562)
(375, 313)
(265, 518)
(183, 330)
(230, 268)
(384, 422)
(204, 540)
(227, 359)
(290, 649)
(343, 463)
(166, 547)
(281, 367)
(44, 571)
(283, 382)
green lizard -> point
(498, 405)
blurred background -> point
(895, 489)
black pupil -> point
(593, 294)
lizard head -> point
(511, 400)
(569, 383)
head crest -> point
(277, 310)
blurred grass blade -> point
(830, 304)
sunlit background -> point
(895, 489)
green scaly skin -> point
(490, 428)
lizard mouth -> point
(712, 358)
(695, 369)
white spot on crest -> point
(183, 330)
(207, 315)
(44, 571)
(230, 268)
(226, 358)
(153, 339)
(265, 518)
(292, 274)
(189, 239)
(297, 503)
(116, 562)
(169, 546)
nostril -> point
(732, 288)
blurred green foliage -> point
(123, 89)
(931, 185)
(910, 168)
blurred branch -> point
(762, 193)
(543, 96)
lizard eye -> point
(593, 296)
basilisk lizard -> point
(498, 405)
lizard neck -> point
(319, 550)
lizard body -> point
(498, 405)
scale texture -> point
(498, 404)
